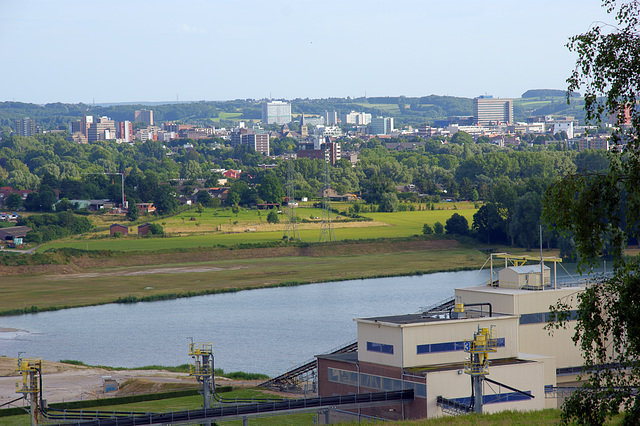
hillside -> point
(406, 110)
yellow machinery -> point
(29, 386)
(484, 341)
(202, 370)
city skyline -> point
(73, 51)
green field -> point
(221, 227)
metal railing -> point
(245, 410)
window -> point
(448, 347)
(380, 347)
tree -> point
(457, 224)
(270, 189)
(199, 208)
(489, 224)
(601, 211)
(203, 197)
(272, 217)
(525, 223)
(427, 229)
(438, 229)
(13, 201)
(133, 213)
(388, 202)
(156, 229)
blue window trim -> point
(448, 347)
(495, 398)
(380, 347)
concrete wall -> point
(533, 338)
(456, 331)
(383, 333)
(523, 376)
(406, 338)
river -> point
(263, 331)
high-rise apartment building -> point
(144, 116)
(330, 118)
(26, 127)
(276, 112)
(258, 140)
(125, 131)
(381, 126)
(488, 110)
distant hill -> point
(548, 93)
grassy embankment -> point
(160, 268)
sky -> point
(88, 51)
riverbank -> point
(93, 278)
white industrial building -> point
(426, 351)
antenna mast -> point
(291, 231)
(326, 230)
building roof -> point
(527, 269)
(420, 318)
(14, 231)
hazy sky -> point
(158, 50)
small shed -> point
(116, 227)
(13, 232)
(527, 276)
(144, 229)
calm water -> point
(266, 331)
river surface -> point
(264, 331)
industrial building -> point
(429, 351)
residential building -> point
(321, 148)
(566, 126)
(330, 118)
(381, 126)
(490, 110)
(144, 116)
(276, 112)
(357, 118)
(101, 129)
(125, 131)
(255, 138)
(593, 143)
(79, 129)
(25, 127)
(328, 131)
